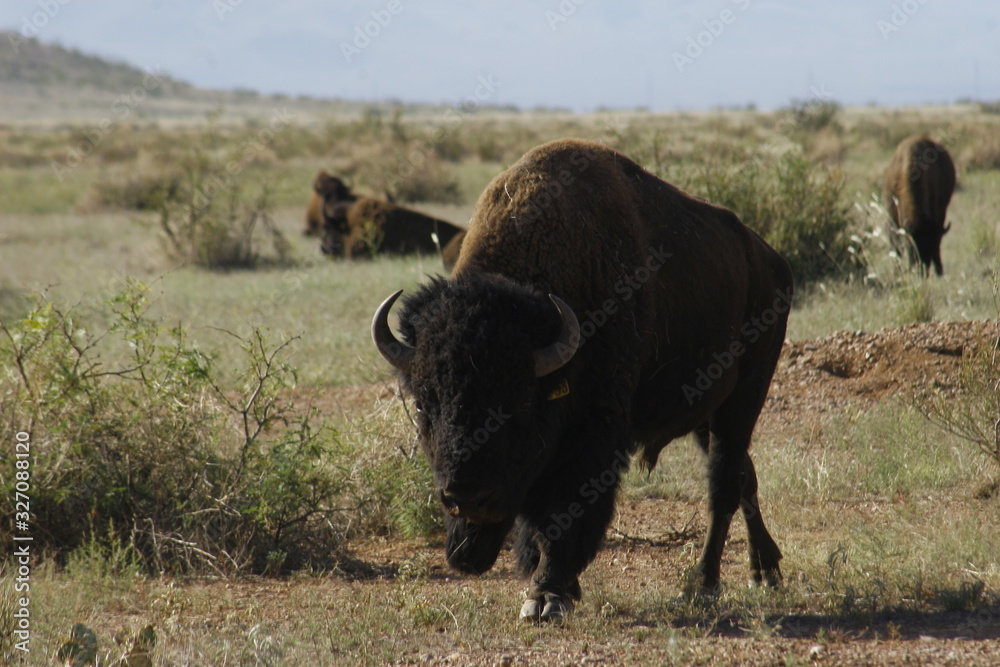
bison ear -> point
(947, 228)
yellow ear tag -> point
(560, 391)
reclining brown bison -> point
(595, 311)
(359, 228)
(919, 182)
(326, 190)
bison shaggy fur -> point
(355, 229)
(671, 321)
(918, 185)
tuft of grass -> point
(914, 302)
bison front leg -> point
(561, 532)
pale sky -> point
(580, 54)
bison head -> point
(331, 188)
(480, 356)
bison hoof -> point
(551, 608)
(697, 585)
(770, 578)
(531, 610)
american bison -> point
(595, 312)
(918, 185)
(365, 226)
(327, 190)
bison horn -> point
(553, 357)
(397, 353)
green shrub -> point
(982, 154)
(422, 178)
(156, 455)
(393, 485)
(213, 217)
(131, 191)
(812, 115)
(972, 413)
(212, 222)
(794, 204)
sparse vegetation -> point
(167, 466)
(168, 447)
(212, 221)
(972, 414)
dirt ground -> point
(650, 540)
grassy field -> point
(884, 538)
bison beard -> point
(529, 407)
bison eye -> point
(417, 406)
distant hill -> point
(36, 64)
(45, 85)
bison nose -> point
(471, 501)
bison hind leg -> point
(764, 552)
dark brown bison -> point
(595, 311)
(359, 228)
(918, 185)
(327, 191)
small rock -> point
(815, 652)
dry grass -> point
(883, 539)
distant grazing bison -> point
(327, 191)
(595, 311)
(918, 185)
(359, 228)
